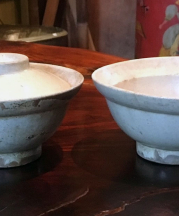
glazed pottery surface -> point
(151, 120)
(33, 101)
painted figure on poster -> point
(171, 35)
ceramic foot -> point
(19, 158)
(157, 155)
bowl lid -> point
(21, 80)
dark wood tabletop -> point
(89, 166)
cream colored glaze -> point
(157, 86)
(21, 80)
(31, 83)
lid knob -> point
(13, 63)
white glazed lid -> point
(21, 80)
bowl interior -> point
(157, 77)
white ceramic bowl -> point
(149, 117)
(33, 101)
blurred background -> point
(107, 26)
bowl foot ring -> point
(19, 158)
(157, 155)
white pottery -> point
(33, 101)
(150, 120)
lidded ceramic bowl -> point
(144, 111)
(33, 101)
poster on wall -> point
(157, 28)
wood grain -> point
(89, 166)
(82, 60)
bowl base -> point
(157, 155)
(19, 158)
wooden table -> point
(89, 167)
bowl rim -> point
(160, 104)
